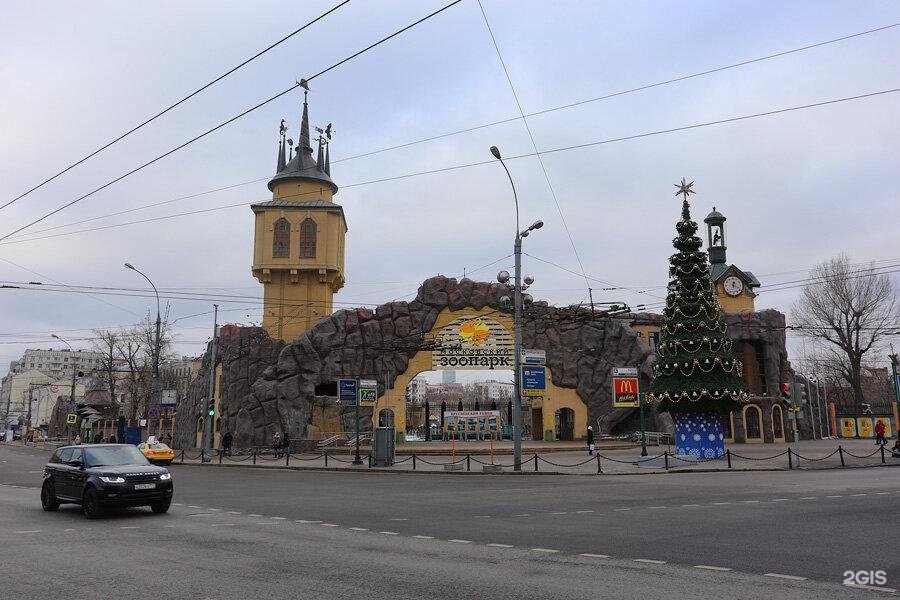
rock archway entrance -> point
(270, 386)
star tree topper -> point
(684, 188)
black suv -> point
(100, 476)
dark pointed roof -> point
(303, 166)
(714, 216)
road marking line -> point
(329, 525)
(859, 494)
(808, 498)
(834, 496)
(546, 550)
(500, 545)
(233, 512)
(782, 576)
(522, 515)
(655, 507)
(750, 501)
(589, 555)
(68, 530)
(424, 537)
(874, 588)
(455, 541)
(279, 518)
(214, 509)
(130, 527)
(177, 504)
(712, 568)
(254, 516)
(358, 529)
(720, 503)
(29, 531)
(652, 562)
(583, 512)
(475, 517)
(389, 532)
(305, 521)
(168, 526)
(221, 525)
(201, 515)
(620, 509)
(268, 523)
(688, 505)
(192, 506)
(882, 493)
(780, 499)
(559, 513)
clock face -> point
(733, 285)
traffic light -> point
(211, 407)
(801, 392)
(786, 392)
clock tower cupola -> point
(734, 287)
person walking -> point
(879, 433)
(227, 439)
(590, 440)
(276, 445)
(78, 440)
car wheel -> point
(90, 504)
(161, 506)
(48, 497)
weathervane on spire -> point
(283, 129)
(684, 189)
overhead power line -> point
(449, 168)
(227, 122)
(511, 119)
(176, 104)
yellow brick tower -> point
(298, 245)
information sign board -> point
(534, 381)
(626, 387)
(368, 392)
(347, 392)
(168, 398)
(534, 357)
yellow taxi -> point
(157, 452)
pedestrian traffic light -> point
(786, 393)
(801, 391)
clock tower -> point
(734, 287)
(298, 245)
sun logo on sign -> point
(474, 332)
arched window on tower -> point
(308, 231)
(281, 244)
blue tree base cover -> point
(699, 434)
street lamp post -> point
(74, 372)
(154, 385)
(517, 321)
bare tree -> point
(847, 311)
(107, 342)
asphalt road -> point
(247, 533)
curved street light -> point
(154, 386)
(74, 372)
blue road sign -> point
(347, 392)
(534, 381)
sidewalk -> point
(807, 455)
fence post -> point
(414, 461)
(326, 457)
(666, 458)
(535, 462)
(220, 457)
(468, 462)
(841, 454)
(287, 457)
(790, 460)
(882, 454)
(182, 456)
(728, 455)
(599, 470)
(254, 456)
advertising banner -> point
(534, 381)
(368, 392)
(888, 431)
(347, 394)
(625, 390)
(470, 343)
(848, 427)
(864, 427)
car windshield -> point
(158, 446)
(113, 456)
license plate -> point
(144, 486)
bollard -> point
(254, 456)
(728, 455)
(841, 454)
(220, 457)
(666, 458)
(535, 462)
(599, 470)
(468, 462)
(790, 460)
(182, 455)
(287, 458)
(326, 458)
(882, 454)
(414, 462)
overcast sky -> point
(797, 188)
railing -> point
(331, 441)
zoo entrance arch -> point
(470, 339)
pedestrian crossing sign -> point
(71, 418)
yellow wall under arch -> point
(556, 398)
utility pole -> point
(893, 357)
(209, 409)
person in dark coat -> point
(227, 440)
(590, 440)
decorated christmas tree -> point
(696, 378)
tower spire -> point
(305, 146)
(320, 158)
(327, 161)
(281, 160)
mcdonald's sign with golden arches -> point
(625, 392)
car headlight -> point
(112, 479)
(165, 476)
